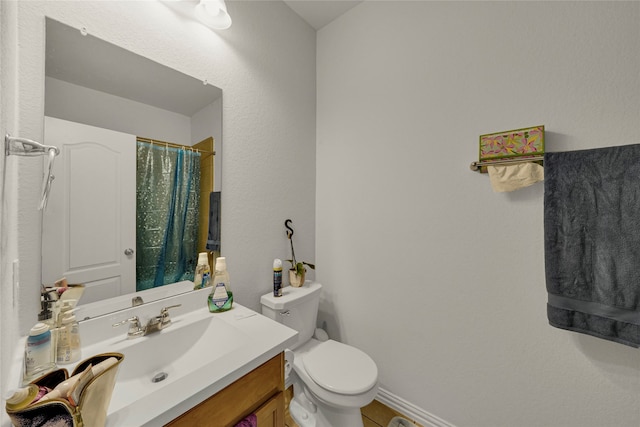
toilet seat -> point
(340, 368)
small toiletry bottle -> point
(59, 332)
(221, 297)
(74, 336)
(277, 277)
(202, 277)
(38, 355)
(60, 339)
(55, 312)
(21, 398)
(68, 345)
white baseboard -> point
(410, 410)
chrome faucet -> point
(155, 324)
(135, 329)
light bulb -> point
(213, 13)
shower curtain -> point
(168, 183)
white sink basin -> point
(159, 359)
(198, 355)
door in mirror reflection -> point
(88, 233)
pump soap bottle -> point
(202, 277)
(221, 297)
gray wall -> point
(434, 275)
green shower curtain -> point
(168, 184)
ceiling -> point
(319, 13)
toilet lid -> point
(341, 368)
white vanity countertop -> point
(260, 340)
(269, 338)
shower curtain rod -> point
(173, 145)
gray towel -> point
(592, 242)
(213, 237)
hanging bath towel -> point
(213, 237)
(592, 242)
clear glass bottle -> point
(68, 347)
(202, 278)
(38, 355)
(221, 297)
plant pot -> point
(296, 280)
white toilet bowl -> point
(332, 381)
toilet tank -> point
(297, 308)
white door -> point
(89, 225)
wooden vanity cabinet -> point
(259, 392)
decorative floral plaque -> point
(514, 143)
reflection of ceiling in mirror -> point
(71, 57)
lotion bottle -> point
(221, 297)
(38, 355)
(68, 345)
(202, 278)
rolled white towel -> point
(514, 177)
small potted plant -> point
(298, 269)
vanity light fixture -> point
(213, 13)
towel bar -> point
(477, 166)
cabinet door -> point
(271, 414)
(239, 399)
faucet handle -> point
(165, 310)
(134, 326)
(134, 320)
(164, 314)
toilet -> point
(331, 380)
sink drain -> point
(159, 377)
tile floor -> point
(375, 414)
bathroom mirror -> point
(92, 84)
